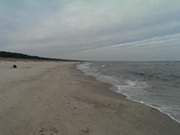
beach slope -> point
(54, 98)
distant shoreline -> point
(20, 56)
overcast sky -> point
(92, 29)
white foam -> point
(161, 109)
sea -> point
(155, 84)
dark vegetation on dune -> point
(4, 54)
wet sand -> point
(51, 98)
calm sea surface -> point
(156, 84)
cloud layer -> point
(96, 29)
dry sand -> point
(48, 98)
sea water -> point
(156, 84)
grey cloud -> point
(80, 28)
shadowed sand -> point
(49, 98)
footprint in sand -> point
(85, 131)
(48, 131)
(51, 130)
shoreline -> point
(57, 98)
(113, 89)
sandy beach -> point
(54, 98)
